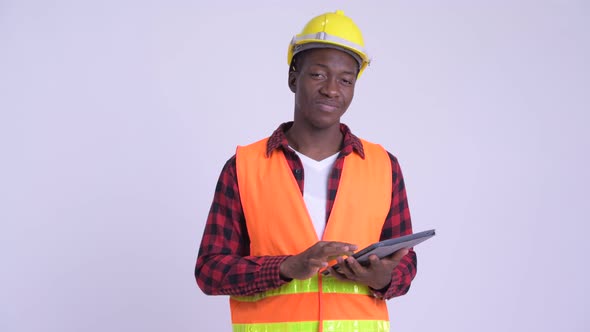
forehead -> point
(328, 57)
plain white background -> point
(117, 116)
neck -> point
(316, 144)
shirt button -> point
(298, 171)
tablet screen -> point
(388, 247)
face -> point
(323, 83)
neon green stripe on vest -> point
(329, 326)
(329, 285)
(332, 285)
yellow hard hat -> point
(331, 30)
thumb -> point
(400, 254)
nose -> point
(330, 88)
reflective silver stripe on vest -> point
(329, 326)
(329, 285)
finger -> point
(340, 265)
(398, 255)
(337, 275)
(335, 267)
(375, 261)
(335, 257)
(337, 264)
(334, 250)
(384, 264)
(347, 271)
(356, 267)
(340, 244)
(317, 263)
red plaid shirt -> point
(224, 265)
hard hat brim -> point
(315, 45)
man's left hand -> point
(376, 275)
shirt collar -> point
(350, 143)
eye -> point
(346, 81)
(317, 75)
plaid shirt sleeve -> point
(398, 223)
(224, 266)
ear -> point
(292, 81)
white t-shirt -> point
(315, 188)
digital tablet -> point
(387, 247)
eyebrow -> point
(325, 66)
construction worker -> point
(289, 206)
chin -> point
(325, 124)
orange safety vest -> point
(278, 224)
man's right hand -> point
(307, 264)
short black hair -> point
(296, 61)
